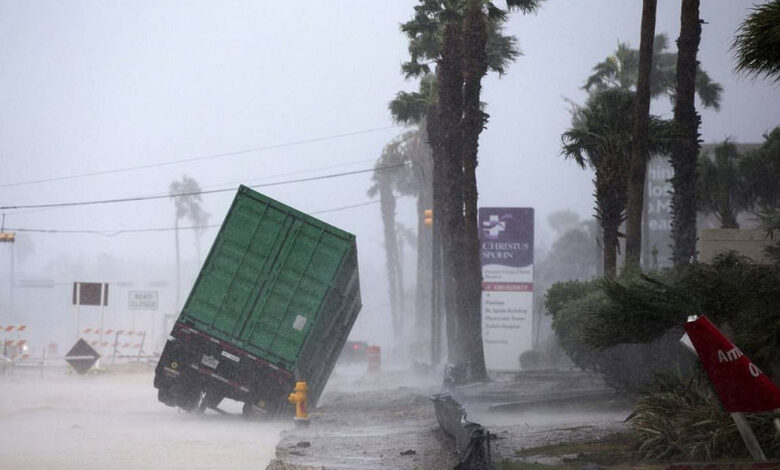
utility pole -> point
(9, 237)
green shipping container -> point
(279, 288)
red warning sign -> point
(740, 384)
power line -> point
(196, 193)
(232, 184)
(196, 159)
(113, 233)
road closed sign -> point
(143, 300)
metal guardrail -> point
(472, 441)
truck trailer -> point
(273, 304)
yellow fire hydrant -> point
(300, 400)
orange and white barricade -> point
(115, 343)
(13, 346)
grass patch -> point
(613, 451)
(611, 444)
(507, 465)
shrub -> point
(737, 295)
(678, 419)
(573, 306)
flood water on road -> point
(114, 421)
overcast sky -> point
(91, 87)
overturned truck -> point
(273, 304)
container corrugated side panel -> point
(289, 308)
(339, 312)
(266, 277)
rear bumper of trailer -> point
(196, 371)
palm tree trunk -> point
(437, 275)
(728, 219)
(451, 108)
(424, 235)
(610, 250)
(686, 149)
(474, 119)
(639, 153)
(387, 203)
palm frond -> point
(757, 43)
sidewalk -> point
(388, 421)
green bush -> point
(574, 306)
(739, 296)
(682, 419)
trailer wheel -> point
(188, 401)
(252, 411)
(164, 396)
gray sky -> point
(89, 86)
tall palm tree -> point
(686, 149)
(639, 152)
(621, 70)
(757, 43)
(421, 109)
(436, 37)
(185, 194)
(404, 181)
(478, 17)
(601, 138)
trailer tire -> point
(164, 396)
(250, 411)
(208, 400)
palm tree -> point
(404, 181)
(757, 43)
(601, 138)
(187, 201)
(421, 109)
(436, 36)
(621, 70)
(639, 153)
(686, 149)
(722, 190)
(761, 166)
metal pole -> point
(11, 286)
(102, 312)
(78, 310)
(747, 435)
(116, 341)
(141, 347)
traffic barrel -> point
(374, 358)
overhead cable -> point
(196, 159)
(196, 193)
(113, 233)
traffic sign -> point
(90, 293)
(81, 356)
(143, 300)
